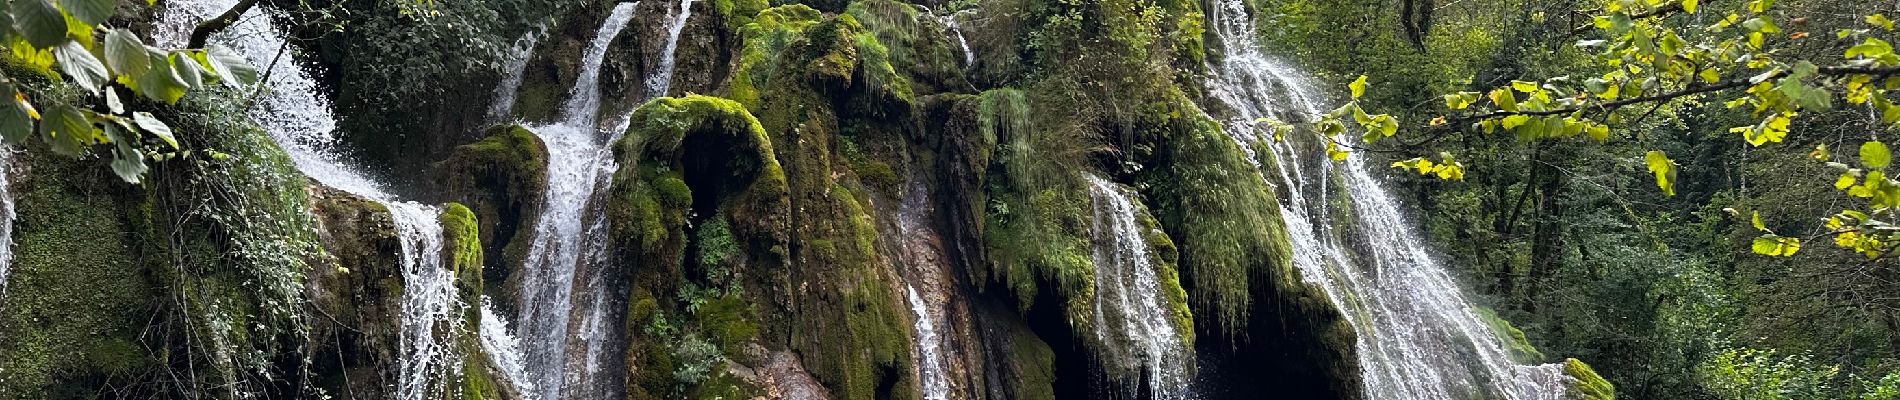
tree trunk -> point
(211, 26)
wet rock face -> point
(360, 292)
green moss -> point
(1222, 216)
(1588, 385)
(1166, 257)
(75, 296)
(1515, 344)
(462, 236)
(767, 36)
(502, 179)
(738, 13)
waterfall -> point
(929, 349)
(956, 29)
(510, 86)
(1419, 337)
(565, 239)
(503, 349)
(1131, 320)
(429, 306)
(7, 215)
(922, 255)
(294, 112)
(661, 80)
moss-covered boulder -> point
(1587, 385)
(700, 203)
(502, 179)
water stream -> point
(297, 116)
(510, 86)
(1130, 319)
(578, 163)
(7, 214)
(1419, 337)
(922, 258)
(661, 80)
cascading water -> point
(429, 305)
(921, 257)
(950, 23)
(661, 80)
(1419, 337)
(503, 350)
(7, 214)
(297, 117)
(929, 349)
(510, 86)
(1130, 320)
(566, 239)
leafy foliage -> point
(100, 60)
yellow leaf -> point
(1358, 87)
(1689, 6)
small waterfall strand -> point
(1131, 320)
(577, 167)
(430, 309)
(661, 80)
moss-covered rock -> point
(503, 180)
(1587, 385)
(76, 297)
(1517, 346)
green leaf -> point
(155, 127)
(1778, 246)
(231, 68)
(66, 130)
(188, 71)
(1756, 219)
(1872, 48)
(16, 116)
(127, 161)
(1504, 99)
(113, 103)
(1689, 6)
(1880, 20)
(1522, 86)
(126, 54)
(1846, 180)
(1358, 87)
(90, 12)
(161, 83)
(1874, 155)
(1514, 121)
(81, 66)
(39, 22)
(1665, 170)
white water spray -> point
(1419, 337)
(929, 349)
(1131, 320)
(503, 349)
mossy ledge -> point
(502, 179)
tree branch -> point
(204, 30)
(1876, 72)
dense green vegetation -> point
(1692, 196)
